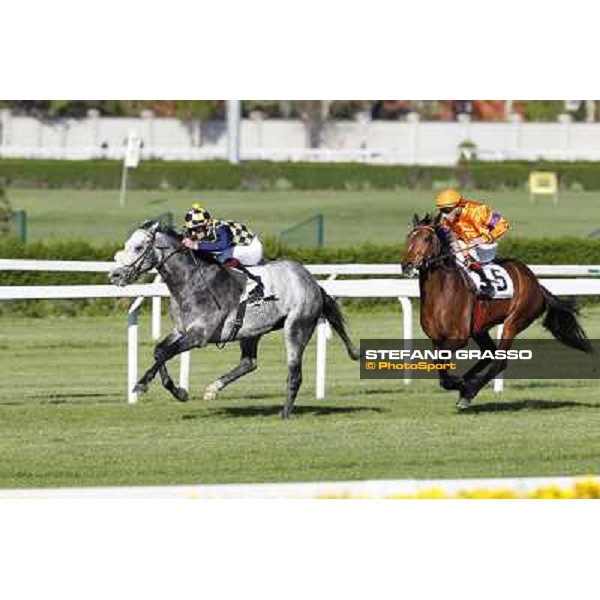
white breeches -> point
(483, 253)
(249, 255)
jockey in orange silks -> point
(472, 229)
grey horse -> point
(204, 302)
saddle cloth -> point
(499, 278)
(263, 272)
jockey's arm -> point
(500, 229)
(492, 225)
(221, 244)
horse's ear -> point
(150, 226)
(415, 219)
(437, 220)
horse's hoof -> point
(463, 403)
(182, 395)
(140, 388)
(210, 393)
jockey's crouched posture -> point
(232, 243)
(472, 229)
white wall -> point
(377, 141)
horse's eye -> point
(138, 248)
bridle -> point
(425, 263)
(135, 267)
(440, 257)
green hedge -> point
(564, 250)
(106, 174)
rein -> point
(164, 260)
(201, 271)
(440, 257)
(448, 254)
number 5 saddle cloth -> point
(499, 278)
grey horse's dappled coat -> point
(204, 302)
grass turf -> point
(350, 217)
(64, 420)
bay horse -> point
(204, 305)
(451, 313)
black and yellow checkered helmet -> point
(196, 217)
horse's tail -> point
(561, 321)
(333, 314)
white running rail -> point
(401, 289)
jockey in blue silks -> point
(231, 243)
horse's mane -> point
(177, 236)
(433, 221)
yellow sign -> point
(543, 183)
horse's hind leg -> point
(296, 338)
(247, 364)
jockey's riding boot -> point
(258, 291)
(487, 289)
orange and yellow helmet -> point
(196, 217)
(448, 198)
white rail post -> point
(156, 309)
(132, 349)
(407, 328)
(234, 115)
(323, 332)
(184, 371)
(499, 381)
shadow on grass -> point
(60, 398)
(526, 405)
(268, 411)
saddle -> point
(498, 277)
(257, 282)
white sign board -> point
(132, 151)
(572, 105)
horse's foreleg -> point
(142, 384)
(179, 393)
(171, 346)
(485, 342)
(447, 381)
(472, 387)
(247, 364)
